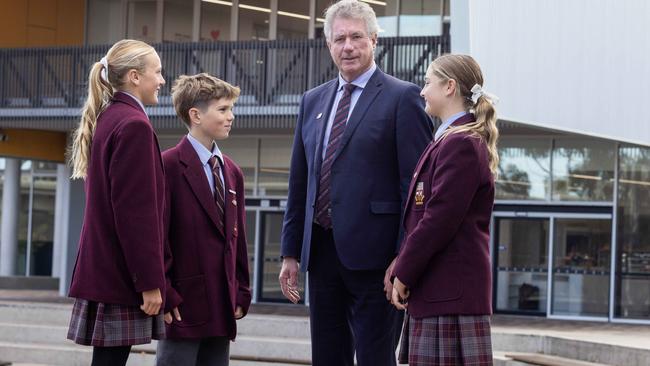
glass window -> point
(293, 19)
(254, 18)
(271, 235)
(2, 181)
(177, 21)
(386, 12)
(421, 17)
(250, 244)
(23, 217)
(215, 21)
(105, 21)
(42, 238)
(244, 152)
(522, 264)
(581, 267)
(321, 6)
(524, 169)
(275, 157)
(583, 170)
(141, 20)
(632, 282)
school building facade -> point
(571, 226)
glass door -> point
(521, 265)
(270, 235)
(581, 267)
(574, 284)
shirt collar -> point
(361, 81)
(204, 154)
(136, 99)
(448, 123)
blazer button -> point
(135, 278)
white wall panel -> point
(574, 65)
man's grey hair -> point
(351, 9)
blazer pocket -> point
(195, 308)
(443, 283)
(385, 207)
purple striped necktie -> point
(218, 189)
(323, 207)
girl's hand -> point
(400, 295)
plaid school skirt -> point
(112, 325)
(446, 341)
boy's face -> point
(215, 121)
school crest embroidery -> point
(419, 194)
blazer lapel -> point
(195, 176)
(427, 154)
(368, 95)
(230, 201)
(325, 105)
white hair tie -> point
(104, 72)
(477, 92)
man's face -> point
(351, 47)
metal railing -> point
(271, 74)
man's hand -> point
(400, 295)
(151, 301)
(239, 312)
(168, 316)
(388, 286)
(289, 279)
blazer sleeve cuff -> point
(244, 300)
(172, 300)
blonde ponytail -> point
(467, 73)
(100, 93)
(125, 55)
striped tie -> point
(323, 208)
(218, 188)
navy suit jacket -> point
(445, 257)
(384, 137)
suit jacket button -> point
(135, 278)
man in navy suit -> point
(357, 141)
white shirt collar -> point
(361, 81)
(204, 154)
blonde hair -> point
(196, 91)
(124, 56)
(350, 9)
(466, 72)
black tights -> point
(110, 356)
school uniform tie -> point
(323, 203)
(218, 189)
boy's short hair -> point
(196, 91)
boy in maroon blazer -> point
(206, 262)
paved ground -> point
(630, 335)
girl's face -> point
(151, 80)
(436, 93)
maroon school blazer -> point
(121, 245)
(445, 256)
(207, 269)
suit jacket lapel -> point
(325, 105)
(368, 95)
(195, 176)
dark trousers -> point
(210, 351)
(110, 356)
(348, 310)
